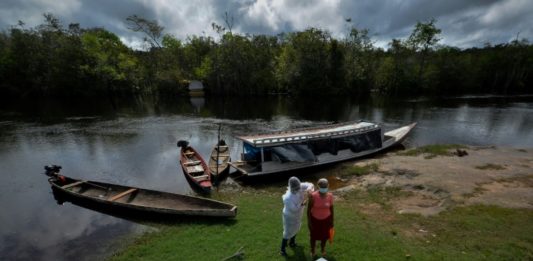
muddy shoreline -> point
(486, 175)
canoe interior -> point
(143, 199)
(221, 158)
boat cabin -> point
(311, 144)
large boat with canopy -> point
(279, 152)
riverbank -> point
(421, 204)
(437, 178)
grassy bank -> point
(367, 229)
(431, 151)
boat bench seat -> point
(123, 194)
(221, 148)
(195, 169)
(202, 177)
(73, 184)
(191, 163)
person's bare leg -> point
(313, 243)
(323, 247)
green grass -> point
(356, 170)
(490, 166)
(431, 151)
(364, 231)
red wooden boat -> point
(194, 168)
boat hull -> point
(196, 186)
(144, 201)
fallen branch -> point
(239, 254)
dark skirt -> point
(320, 228)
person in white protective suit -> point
(294, 201)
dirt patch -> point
(441, 182)
(417, 204)
(513, 193)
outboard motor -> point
(183, 144)
(52, 170)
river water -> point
(135, 144)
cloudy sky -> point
(464, 23)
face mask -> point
(323, 190)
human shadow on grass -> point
(296, 253)
(303, 253)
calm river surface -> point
(135, 144)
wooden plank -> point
(195, 169)
(72, 184)
(244, 172)
(221, 156)
(201, 178)
(129, 191)
(191, 163)
(221, 149)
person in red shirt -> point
(320, 216)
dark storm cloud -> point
(463, 23)
(424, 10)
(110, 14)
(396, 19)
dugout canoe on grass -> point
(137, 199)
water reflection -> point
(40, 229)
(135, 145)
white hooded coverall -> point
(293, 209)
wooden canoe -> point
(194, 168)
(218, 162)
(137, 199)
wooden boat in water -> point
(302, 149)
(194, 168)
(219, 161)
(136, 199)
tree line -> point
(52, 59)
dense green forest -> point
(66, 61)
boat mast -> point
(218, 146)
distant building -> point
(196, 88)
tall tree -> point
(395, 70)
(422, 39)
(110, 62)
(303, 62)
(153, 33)
(359, 60)
(152, 30)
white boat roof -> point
(299, 135)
